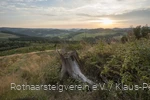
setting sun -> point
(107, 21)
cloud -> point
(75, 7)
(74, 11)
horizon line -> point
(63, 28)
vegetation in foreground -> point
(126, 63)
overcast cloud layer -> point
(73, 13)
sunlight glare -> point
(107, 21)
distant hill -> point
(36, 32)
(63, 33)
(13, 33)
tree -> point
(124, 39)
(141, 31)
(137, 32)
(144, 31)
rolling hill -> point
(7, 35)
(67, 34)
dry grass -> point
(5, 82)
(19, 69)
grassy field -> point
(6, 36)
(23, 68)
(115, 63)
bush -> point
(120, 63)
(141, 31)
(130, 65)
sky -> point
(74, 13)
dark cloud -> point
(134, 13)
(136, 16)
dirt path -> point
(25, 53)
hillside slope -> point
(116, 63)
